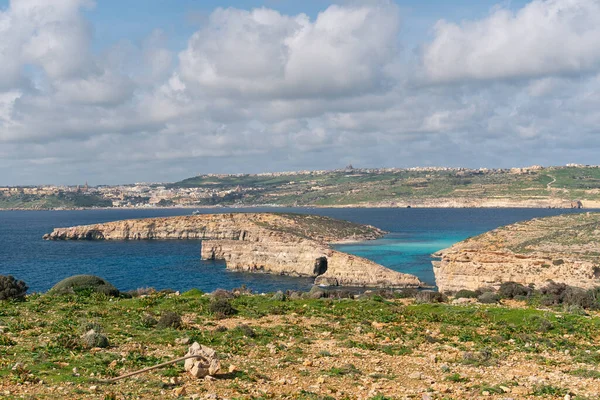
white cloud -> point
(50, 34)
(546, 37)
(261, 53)
(259, 90)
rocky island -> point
(283, 244)
(563, 249)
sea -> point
(415, 234)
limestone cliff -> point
(284, 244)
(562, 249)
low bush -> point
(316, 293)
(429, 296)
(221, 308)
(341, 294)
(407, 293)
(561, 294)
(93, 339)
(576, 297)
(553, 293)
(220, 294)
(540, 324)
(510, 290)
(148, 321)
(12, 289)
(143, 291)
(246, 330)
(67, 341)
(82, 284)
(169, 319)
(279, 296)
(483, 357)
(95, 326)
(467, 294)
(488, 298)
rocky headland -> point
(283, 244)
(563, 249)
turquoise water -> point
(408, 253)
(414, 235)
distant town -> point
(279, 188)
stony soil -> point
(309, 349)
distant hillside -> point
(528, 187)
(535, 187)
(53, 201)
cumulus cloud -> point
(259, 90)
(50, 34)
(263, 53)
(546, 37)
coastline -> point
(589, 205)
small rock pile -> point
(207, 364)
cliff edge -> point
(283, 244)
(563, 249)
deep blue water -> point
(415, 234)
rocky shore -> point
(282, 244)
(563, 249)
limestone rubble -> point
(283, 244)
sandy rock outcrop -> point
(282, 244)
(562, 249)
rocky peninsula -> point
(563, 249)
(282, 244)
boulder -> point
(206, 364)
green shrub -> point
(68, 341)
(483, 357)
(221, 294)
(193, 293)
(385, 294)
(83, 284)
(6, 341)
(467, 294)
(341, 294)
(559, 293)
(12, 289)
(553, 293)
(169, 319)
(221, 307)
(488, 298)
(279, 296)
(148, 321)
(316, 292)
(246, 330)
(93, 339)
(429, 296)
(92, 326)
(575, 297)
(407, 293)
(510, 290)
(540, 324)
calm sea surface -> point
(415, 234)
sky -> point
(113, 92)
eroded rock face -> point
(564, 249)
(283, 244)
(305, 258)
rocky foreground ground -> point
(273, 347)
